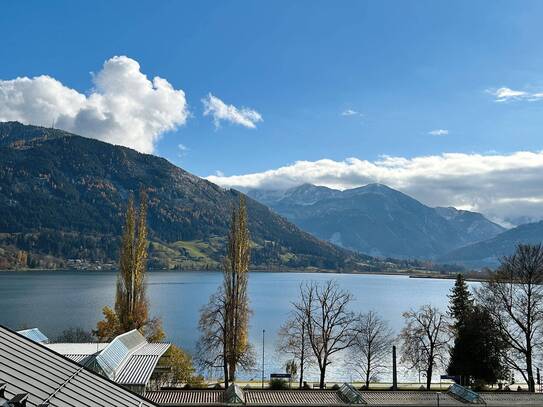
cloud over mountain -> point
(124, 107)
(504, 187)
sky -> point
(441, 100)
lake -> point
(56, 300)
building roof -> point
(48, 378)
(341, 397)
(128, 359)
(34, 334)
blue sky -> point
(405, 68)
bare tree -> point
(293, 341)
(325, 310)
(514, 297)
(425, 340)
(371, 348)
(211, 347)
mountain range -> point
(380, 221)
(62, 199)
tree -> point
(478, 354)
(370, 350)
(75, 335)
(514, 298)
(461, 301)
(236, 268)
(293, 341)
(424, 339)
(224, 322)
(325, 310)
(131, 304)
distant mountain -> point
(378, 220)
(488, 252)
(62, 199)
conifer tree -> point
(461, 301)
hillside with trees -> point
(62, 199)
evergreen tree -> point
(478, 354)
(461, 301)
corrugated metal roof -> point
(512, 399)
(322, 398)
(187, 397)
(34, 334)
(408, 398)
(294, 397)
(117, 353)
(128, 359)
(138, 370)
(28, 367)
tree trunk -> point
(368, 367)
(530, 372)
(226, 381)
(323, 375)
(429, 372)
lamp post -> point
(263, 335)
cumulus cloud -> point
(220, 111)
(124, 107)
(507, 94)
(438, 132)
(504, 187)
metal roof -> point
(117, 353)
(187, 397)
(34, 334)
(322, 398)
(48, 377)
(129, 359)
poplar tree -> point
(224, 321)
(131, 304)
(131, 309)
(236, 268)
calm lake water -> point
(54, 301)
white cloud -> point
(504, 187)
(439, 132)
(507, 94)
(350, 112)
(220, 111)
(124, 107)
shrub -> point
(278, 384)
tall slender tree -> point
(236, 268)
(131, 304)
(224, 322)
